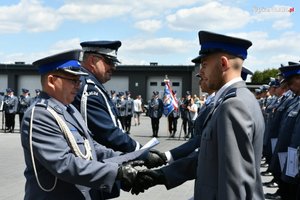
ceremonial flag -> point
(170, 101)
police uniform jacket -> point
(156, 108)
(285, 133)
(129, 107)
(275, 121)
(77, 178)
(231, 147)
(10, 104)
(294, 143)
(99, 119)
(121, 106)
(24, 103)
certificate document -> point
(292, 162)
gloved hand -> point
(146, 179)
(127, 174)
(155, 158)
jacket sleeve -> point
(102, 127)
(186, 148)
(181, 170)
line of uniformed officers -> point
(280, 103)
(11, 105)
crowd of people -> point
(76, 135)
(10, 105)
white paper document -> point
(292, 162)
(153, 142)
(282, 159)
(139, 154)
(273, 143)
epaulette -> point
(89, 81)
(55, 107)
(231, 93)
(42, 103)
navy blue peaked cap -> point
(245, 72)
(106, 48)
(68, 61)
(214, 42)
(25, 90)
(291, 69)
(274, 82)
(8, 90)
(264, 88)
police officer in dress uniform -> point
(121, 106)
(292, 74)
(232, 136)
(62, 160)
(24, 103)
(37, 94)
(128, 112)
(10, 109)
(287, 186)
(93, 101)
(114, 97)
(183, 159)
(155, 112)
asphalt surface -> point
(12, 164)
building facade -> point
(138, 79)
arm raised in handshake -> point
(147, 178)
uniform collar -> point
(224, 87)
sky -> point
(162, 31)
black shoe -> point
(264, 165)
(272, 196)
(271, 185)
(266, 173)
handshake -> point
(139, 180)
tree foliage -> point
(264, 76)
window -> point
(176, 84)
(153, 83)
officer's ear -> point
(91, 62)
(50, 80)
(224, 61)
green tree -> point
(264, 76)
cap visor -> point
(246, 70)
(198, 58)
(77, 73)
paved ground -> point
(12, 165)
